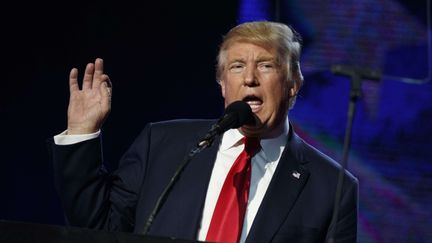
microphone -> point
(236, 115)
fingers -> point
(106, 91)
(73, 80)
(106, 86)
(98, 67)
(108, 81)
(98, 73)
(88, 76)
(93, 76)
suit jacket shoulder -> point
(320, 161)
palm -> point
(89, 106)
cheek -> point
(230, 87)
(279, 96)
(284, 88)
(226, 88)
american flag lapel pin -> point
(296, 174)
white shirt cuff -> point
(65, 139)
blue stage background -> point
(391, 140)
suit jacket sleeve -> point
(345, 230)
(92, 197)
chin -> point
(257, 130)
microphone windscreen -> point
(243, 112)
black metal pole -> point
(346, 147)
(356, 75)
(168, 188)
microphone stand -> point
(356, 74)
(237, 114)
(198, 148)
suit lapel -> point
(287, 183)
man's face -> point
(252, 74)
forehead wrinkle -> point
(237, 59)
(264, 58)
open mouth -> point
(254, 102)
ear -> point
(295, 86)
(222, 84)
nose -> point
(250, 77)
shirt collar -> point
(230, 139)
(271, 147)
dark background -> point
(160, 57)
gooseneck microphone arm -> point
(167, 189)
(356, 74)
(236, 115)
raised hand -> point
(89, 106)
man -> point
(291, 190)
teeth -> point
(255, 105)
(254, 102)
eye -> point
(266, 67)
(236, 67)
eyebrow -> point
(259, 59)
(236, 60)
(266, 59)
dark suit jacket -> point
(293, 209)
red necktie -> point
(227, 221)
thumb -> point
(106, 92)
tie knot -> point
(252, 145)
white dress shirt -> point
(264, 164)
(66, 139)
